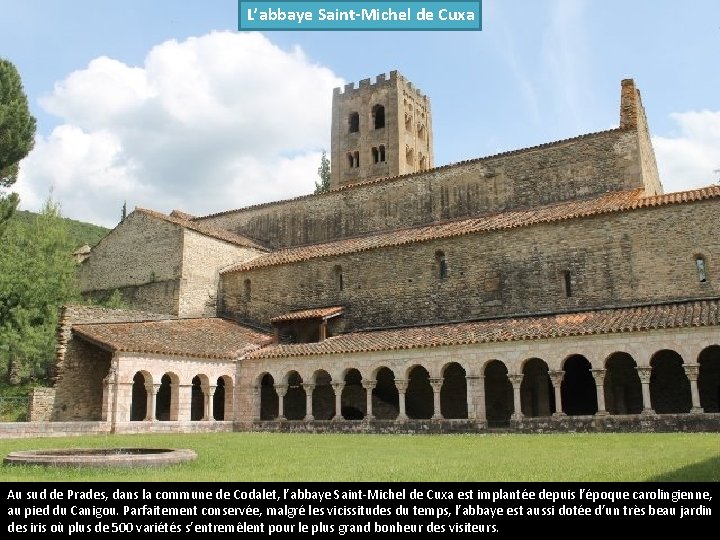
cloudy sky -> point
(165, 105)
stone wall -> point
(40, 404)
(621, 258)
(203, 257)
(576, 168)
(142, 258)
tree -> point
(17, 133)
(37, 276)
(324, 173)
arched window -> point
(375, 155)
(357, 158)
(378, 112)
(354, 122)
(422, 162)
(409, 156)
(350, 160)
(382, 153)
(441, 264)
(338, 273)
(701, 268)
(408, 122)
(248, 290)
(421, 132)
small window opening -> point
(701, 268)
(421, 132)
(568, 284)
(408, 122)
(248, 290)
(409, 156)
(339, 283)
(378, 113)
(442, 264)
(354, 122)
(422, 162)
(382, 153)
(375, 155)
(357, 158)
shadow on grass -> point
(704, 471)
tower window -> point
(354, 122)
(441, 264)
(378, 112)
(375, 155)
(408, 122)
(422, 162)
(382, 153)
(568, 284)
(409, 156)
(701, 268)
(353, 160)
(357, 158)
(421, 132)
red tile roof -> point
(607, 321)
(199, 338)
(612, 202)
(213, 232)
(315, 313)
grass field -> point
(259, 457)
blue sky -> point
(165, 105)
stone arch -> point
(419, 394)
(453, 392)
(669, 385)
(139, 401)
(622, 386)
(709, 379)
(269, 400)
(353, 401)
(323, 396)
(199, 398)
(294, 403)
(537, 397)
(578, 390)
(498, 394)
(166, 401)
(223, 398)
(385, 396)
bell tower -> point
(379, 130)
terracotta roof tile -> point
(315, 313)
(632, 319)
(610, 202)
(220, 234)
(199, 338)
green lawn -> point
(258, 457)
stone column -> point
(338, 387)
(255, 402)
(599, 376)
(210, 403)
(401, 385)
(476, 397)
(309, 387)
(691, 370)
(109, 397)
(644, 373)
(281, 390)
(151, 391)
(369, 386)
(556, 378)
(516, 380)
(436, 386)
(181, 412)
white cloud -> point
(688, 160)
(207, 124)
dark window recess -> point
(354, 122)
(378, 113)
(701, 268)
(568, 284)
(442, 264)
(248, 290)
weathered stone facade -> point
(549, 288)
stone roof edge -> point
(390, 179)
(263, 354)
(220, 234)
(640, 203)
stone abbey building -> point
(548, 288)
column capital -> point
(598, 375)
(281, 389)
(338, 385)
(368, 384)
(436, 384)
(644, 373)
(516, 379)
(556, 376)
(150, 387)
(308, 386)
(401, 384)
(691, 370)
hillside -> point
(80, 233)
